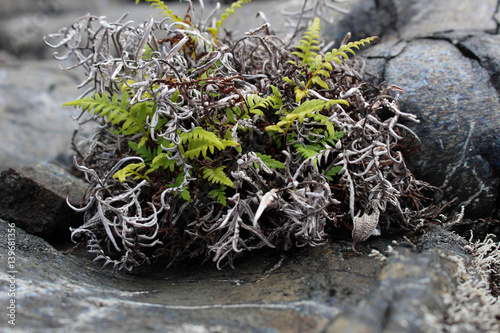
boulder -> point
(459, 118)
(23, 23)
(445, 57)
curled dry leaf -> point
(364, 227)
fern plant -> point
(206, 148)
(117, 111)
(309, 44)
(318, 64)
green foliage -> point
(321, 64)
(184, 193)
(309, 43)
(217, 176)
(333, 172)
(225, 15)
(146, 153)
(318, 64)
(199, 141)
(132, 119)
(270, 162)
(219, 194)
(308, 109)
(273, 101)
(131, 170)
(255, 105)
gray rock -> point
(324, 289)
(24, 23)
(453, 98)
(34, 198)
(297, 292)
(44, 7)
(423, 18)
(34, 124)
(411, 286)
(448, 65)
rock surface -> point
(34, 198)
(459, 115)
(325, 289)
(34, 124)
(445, 57)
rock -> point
(34, 124)
(295, 292)
(44, 7)
(453, 99)
(423, 18)
(24, 23)
(411, 286)
(308, 290)
(419, 291)
(449, 67)
(34, 198)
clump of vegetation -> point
(209, 146)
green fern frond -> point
(217, 176)
(116, 113)
(335, 54)
(131, 170)
(308, 151)
(184, 192)
(164, 9)
(162, 161)
(201, 141)
(270, 162)
(219, 194)
(227, 12)
(309, 43)
(308, 109)
(333, 172)
(147, 154)
(257, 104)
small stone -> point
(34, 198)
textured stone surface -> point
(446, 58)
(23, 23)
(298, 292)
(459, 121)
(35, 199)
(34, 124)
(411, 286)
(422, 18)
(325, 289)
